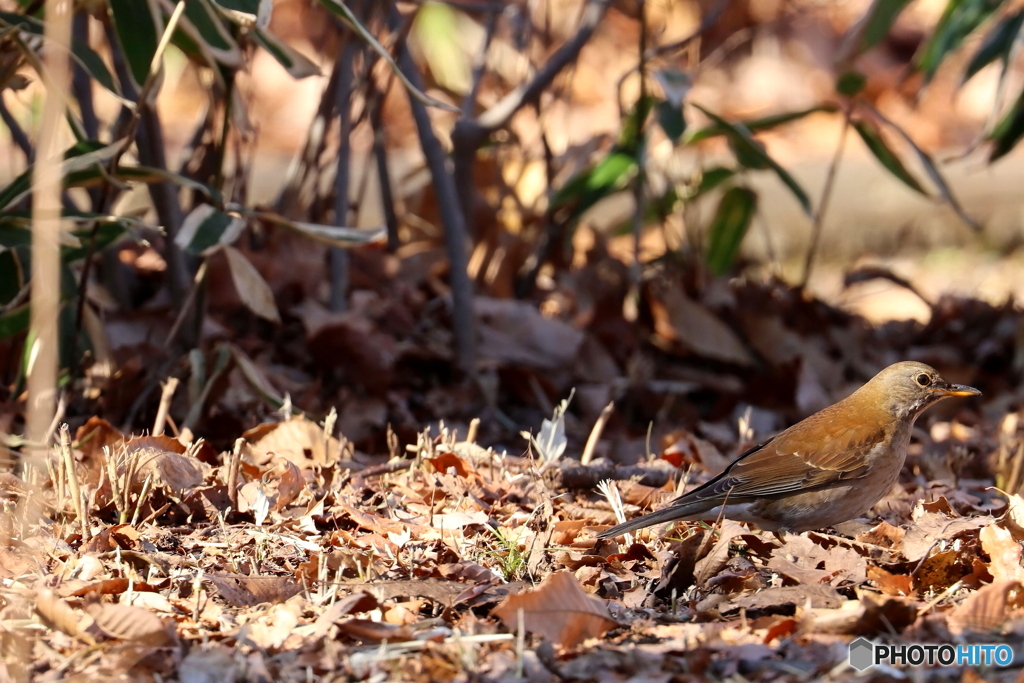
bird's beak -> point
(957, 390)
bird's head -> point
(909, 387)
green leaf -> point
(958, 21)
(1009, 131)
(593, 184)
(850, 83)
(79, 155)
(671, 120)
(202, 35)
(933, 172)
(206, 228)
(879, 20)
(710, 179)
(756, 125)
(741, 141)
(996, 45)
(729, 226)
(138, 35)
(872, 137)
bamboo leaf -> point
(958, 21)
(878, 20)
(756, 125)
(748, 148)
(206, 229)
(996, 45)
(728, 227)
(872, 137)
(138, 31)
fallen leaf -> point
(559, 609)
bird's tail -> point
(670, 514)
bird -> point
(826, 469)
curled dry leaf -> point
(58, 614)
(709, 565)
(559, 609)
(164, 458)
(132, 624)
(1004, 553)
(298, 439)
(989, 609)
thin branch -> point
(641, 150)
(339, 259)
(826, 195)
(454, 222)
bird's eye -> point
(923, 380)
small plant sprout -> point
(550, 442)
(611, 494)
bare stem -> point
(826, 195)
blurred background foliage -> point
(411, 209)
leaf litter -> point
(404, 538)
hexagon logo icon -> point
(862, 654)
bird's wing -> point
(789, 464)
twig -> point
(166, 395)
(595, 434)
(72, 475)
(640, 180)
(826, 195)
(233, 466)
(187, 305)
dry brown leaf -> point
(1004, 553)
(515, 333)
(58, 614)
(989, 608)
(681, 320)
(350, 604)
(133, 624)
(710, 564)
(839, 563)
(890, 584)
(929, 528)
(298, 439)
(821, 596)
(559, 609)
(253, 290)
(164, 459)
(271, 629)
(375, 631)
(248, 591)
(884, 535)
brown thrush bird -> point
(829, 468)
